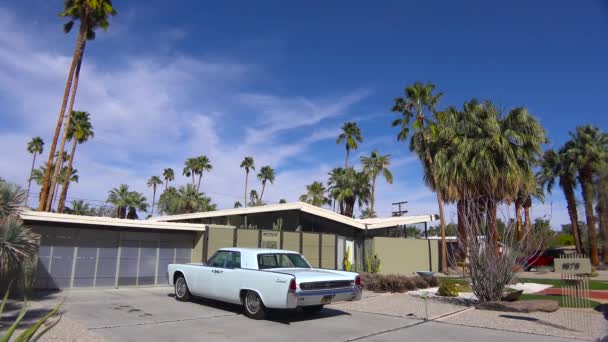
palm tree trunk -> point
(528, 221)
(347, 154)
(491, 223)
(66, 126)
(587, 185)
(262, 193)
(246, 180)
(573, 213)
(602, 213)
(373, 193)
(66, 181)
(29, 181)
(444, 254)
(518, 219)
(198, 186)
(462, 230)
(44, 192)
(153, 199)
(166, 183)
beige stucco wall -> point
(405, 256)
(219, 238)
(197, 251)
(310, 248)
(328, 251)
(247, 238)
(291, 241)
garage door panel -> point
(129, 251)
(84, 273)
(147, 263)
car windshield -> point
(281, 260)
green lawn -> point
(560, 299)
(593, 284)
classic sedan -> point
(262, 279)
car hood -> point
(305, 275)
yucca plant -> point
(30, 334)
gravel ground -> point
(576, 324)
(68, 330)
(403, 305)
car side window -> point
(234, 261)
(219, 259)
(267, 261)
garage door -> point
(80, 257)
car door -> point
(227, 283)
(203, 284)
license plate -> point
(326, 300)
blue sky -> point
(276, 81)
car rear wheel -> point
(254, 307)
(313, 309)
(181, 289)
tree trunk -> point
(444, 254)
(153, 199)
(462, 229)
(585, 178)
(198, 186)
(246, 181)
(166, 183)
(29, 181)
(527, 222)
(347, 154)
(568, 189)
(66, 181)
(518, 219)
(602, 213)
(44, 192)
(262, 193)
(491, 224)
(66, 125)
(373, 193)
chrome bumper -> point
(317, 297)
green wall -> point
(405, 256)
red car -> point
(543, 259)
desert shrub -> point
(432, 281)
(419, 282)
(447, 289)
(373, 264)
(347, 265)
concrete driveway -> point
(152, 314)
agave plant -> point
(30, 334)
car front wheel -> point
(254, 307)
(181, 289)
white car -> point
(261, 279)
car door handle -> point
(217, 271)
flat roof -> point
(40, 216)
(373, 223)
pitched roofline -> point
(39, 216)
(304, 207)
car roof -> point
(257, 250)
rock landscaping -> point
(520, 306)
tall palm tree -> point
(169, 176)
(190, 167)
(254, 199)
(602, 202)
(559, 165)
(119, 197)
(153, 182)
(419, 103)
(588, 144)
(374, 165)
(315, 194)
(351, 134)
(91, 14)
(347, 187)
(202, 164)
(80, 131)
(35, 147)
(248, 165)
(266, 175)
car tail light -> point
(292, 284)
(358, 281)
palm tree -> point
(282, 201)
(190, 167)
(202, 164)
(559, 165)
(347, 187)
(79, 207)
(169, 176)
(136, 201)
(588, 145)
(35, 147)
(374, 165)
(91, 14)
(17, 242)
(351, 134)
(315, 194)
(153, 182)
(119, 197)
(80, 131)
(248, 165)
(237, 204)
(419, 104)
(602, 202)
(254, 199)
(266, 175)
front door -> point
(224, 267)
